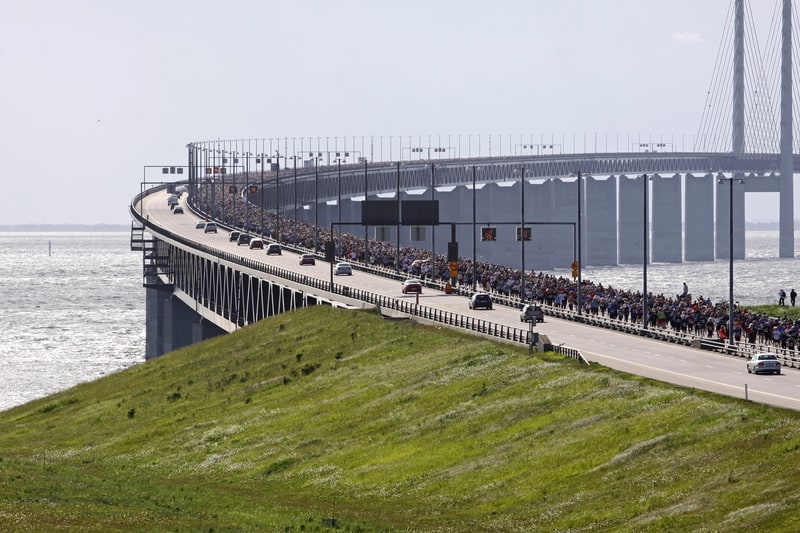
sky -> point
(93, 93)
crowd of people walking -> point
(684, 312)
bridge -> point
(588, 208)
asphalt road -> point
(672, 363)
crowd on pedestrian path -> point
(684, 312)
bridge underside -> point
(688, 219)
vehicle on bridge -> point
(480, 300)
(761, 363)
(343, 269)
(307, 259)
(211, 227)
(256, 244)
(234, 236)
(243, 238)
(274, 249)
(531, 313)
(177, 210)
(200, 224)
(412, 285)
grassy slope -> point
(390, 426)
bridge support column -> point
(171, 324)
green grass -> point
(778, 311)
(391, 426)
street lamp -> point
(397, 233)
(277, 192)
(522, 231)
(579, 181)
(731, 340)
(294, 229)
(474, 233)
(433, 228)
(316, 203)
(339, 208)
(645, 251)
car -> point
(531, 313)
(172, 201)
(211, 227)
(763, 363)
(177, 210)
(343, 269)
(200, 224)
(234, 236)
(480, 300)
(256, 244)
(307, 259)
(412, 285)
(243, 238)
(274, 249)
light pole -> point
(433, 228)
(522, 231)
(645, 252)
(474, 234)
(580, 260)
(294, 229)
(277, 194)
(339, 208)
(366, 191)
(731, 340)
(260, 161)
(397, 233)
(316, 204)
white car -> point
(763, 363)
(201, 224)
(343, 269)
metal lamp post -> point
(339, 208)
(580, 259)
(522, 232)
(316, 204)
(645, 253)
(731, 340)
(474, 234)
(294, 229)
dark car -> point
(531, 313)
(480, 300)
(234, 236)
(244, 238)
(274, 249)
(307, 259)
(412, 285)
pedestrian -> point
(685, 290)
(792, 297)
(781, 297)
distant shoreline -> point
(65, 227)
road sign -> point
(453, 269)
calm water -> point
(79, 313)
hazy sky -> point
(94, 90)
